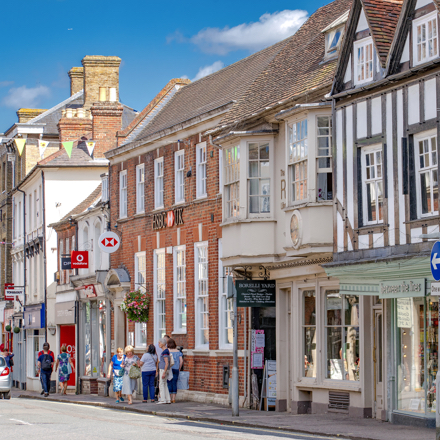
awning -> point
(359, 289)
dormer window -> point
(333, 40)
(363, 50)
(425, 38)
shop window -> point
(309, 333)
(363, 50)
(123, 194)
(159, 293)
(298, 154)
(425, 39)
(342, 336)
(324, 186)
(226, 305)
(34, 346)
(372, 187)
(158, 183)
(427, 179)
(259, 178)
(232, 182)
(201, 169)
(180, 289)
(179, 176)
(201, 294)
(417, 354)
(140, 182)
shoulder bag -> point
(135, 372)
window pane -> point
(334, 353)
(334, 308)
(253, 151)
(425, 192)
(264, 152)
(310, 352)
(350, 353)
(309, 307)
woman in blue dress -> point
(64, 361)
(115, 367)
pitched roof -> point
(79, 158)
(211, 92)
(382, 17)
(298, 67)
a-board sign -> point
(255, 293)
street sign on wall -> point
(435, 261)
(109, 242)
(255, 293)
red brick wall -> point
(63, 232)
(107, 120)
(72, 129)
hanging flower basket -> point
(8, 328)
(16, 329)
(137, 306)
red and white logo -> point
(80, 260)
(109, 242)
(170, 219)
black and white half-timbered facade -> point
(386, 126)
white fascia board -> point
(29, 129)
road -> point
(24, 419)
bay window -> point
(140, 272)
(201, 294)
(140, 182)
(201, 162)
(123, 194)
(259, 178)
(324, 187)
(180, 289)
(179, 176)
(159, 293)
(232, 182)
(372, 187)
(298, 154)
(158, 183)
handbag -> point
(172, 361)
(69, 368)
(135, 372)
(120, 372)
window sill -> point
(205, 196)
(329, 384)
(247, 220)
(176, 204)
(122, 220)
(140, 214)
(160, 208)
(201, 351)
(179, 332)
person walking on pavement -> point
(39, 354)
(148, 365)
(178, 362)
(45, 364)
(116, 366)
(164, 364)
(64, 362)
(128, 384)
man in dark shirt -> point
(40, 372)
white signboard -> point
(259, 340)
(404, 312)
(257, 360)
(109, 242)
(435, 289)
(14, 294)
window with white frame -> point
(324, 189)
(179, 176)
(232, 182)
(140, 271)
(309, 333)
(342, 336)
(140, 182)
(201, 294)
(179, 289)
(158, 183)
(201, 169)
(104, 180)
(259, 178)
(332, 40)
(372, 187)
(425, 38)
(427, 174)
(67, 272)
(159, 293)
(14, 218)
(226, 305)
(363, 50)
(298, 154)
(123, 194)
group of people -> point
(162, 362)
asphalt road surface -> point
(24, 419)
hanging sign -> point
(66, 263)
(109, 242)
(80, 260)
(255, 293)
(14, 294)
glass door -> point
(379, 405)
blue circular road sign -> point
(435, 261)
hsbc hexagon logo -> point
(79, 260)
(109, 242)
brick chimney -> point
(74, 124)
(26, 114)
(101, 79)
(76, 75)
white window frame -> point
(200, 298)
(374, 149)
(427, 135)
(140, 188)
(123, 202)
(259, 178)
(14, 219)
(362, 45)
(201, 170)
(139, 284)
(329, 38)
(104, 180)
(159, 253)
(220, 171)
(181, 329)
(298, 160)
(425, 21)
(179, 176)
(232, 181)
(158, 183)
(223, 300)
(321, 134)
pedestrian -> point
(39, 354)
(8, 356)
(45, 364)
(164, 364)
(148, 365)
(128, 384)
(116, 366)
(64, 361)
(175, 368)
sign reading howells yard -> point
(255, 293)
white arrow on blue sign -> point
(435, 261)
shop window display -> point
(417, 354)
(342, 335)
(309, 332)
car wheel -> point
(7, 395)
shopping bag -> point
(183, 380)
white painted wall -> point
(430, 99)
(362, 23)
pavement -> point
(334, 424)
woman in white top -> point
(148, 365)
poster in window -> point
(336, 369)
(404, 312)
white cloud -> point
(19, 97)
(270, 29)
(6, 83)
(207, 70)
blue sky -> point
(156, 41)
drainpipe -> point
(43, 192)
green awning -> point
(359, 289)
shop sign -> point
(168, 219)
(435, 289)
(65, 313)
(255, 293)
(109, 242)
(402, 288)
(8, 286)
(80, 259)
(66, 263)
(12, 294)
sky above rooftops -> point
(43, 40)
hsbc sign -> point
(109, 242)
(168, 219)
(79, 260)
